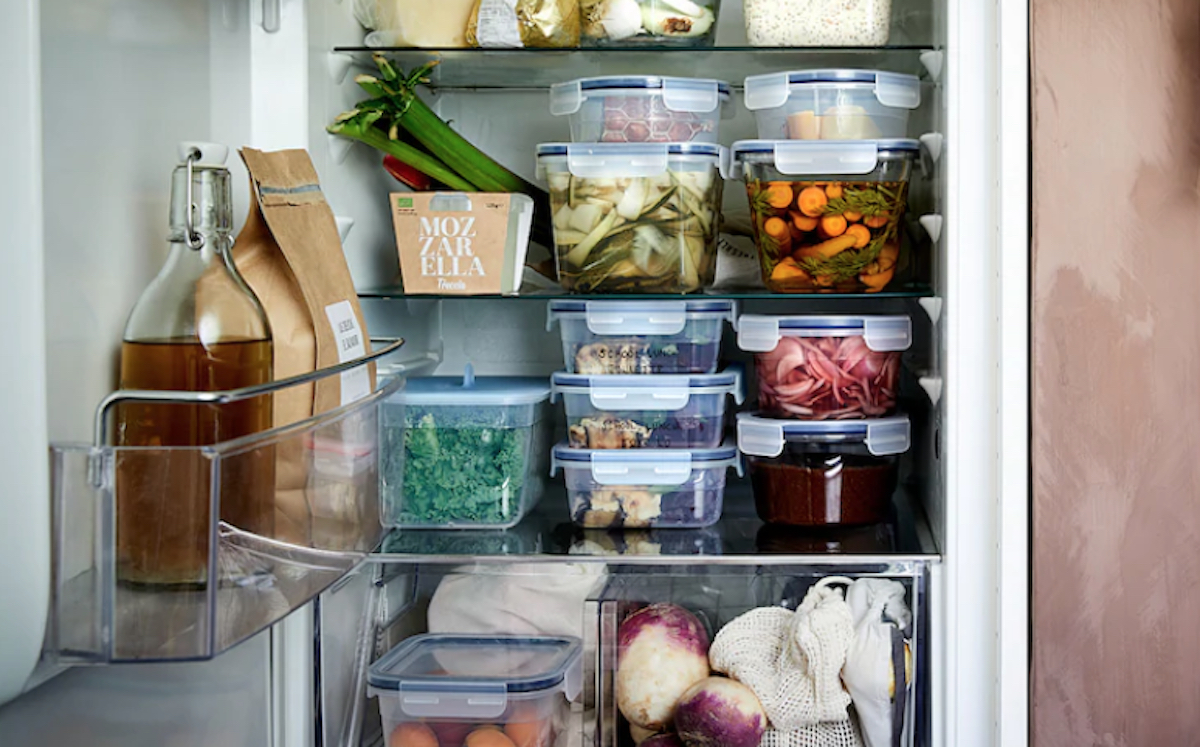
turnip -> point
(720, 712)
(662, 650)
(663, 740)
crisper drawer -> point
(222, 540)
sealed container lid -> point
(473, 677)
(469, 390)
(897, 90)
(765, 437)
(601, 160)
(760, 333)
(818, 157)
(645, 392)
(678, 94)
(643, 467)
(639, 317)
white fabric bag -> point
(792, 660)
(877, 685)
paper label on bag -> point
(498, 25)
(356, 383)
(452, 243)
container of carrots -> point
(827, 214)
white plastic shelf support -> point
(932, 306)
(344, 224)
(933, 387)
(932, 224)
(339, 147)
(933, 61)
(933, 142)
(339, 64)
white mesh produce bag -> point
(831, 734)
(792, 660)
(875, 683)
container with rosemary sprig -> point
(828, 234)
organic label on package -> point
(451, 243)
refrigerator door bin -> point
(320, 521)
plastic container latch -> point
(467, 701)
(725, 165)
(689, 96)
(760, 439)
(896, 90)
(671, 394)
(887, 334)
(767, 91)
(468, 376)
(758, 334)
(615, 468)
(828, 157)
(566, 98)
(654, 318)
(633, 160)
(888, 437)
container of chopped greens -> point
(465, 452)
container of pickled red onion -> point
(825, 367)
(642, 109)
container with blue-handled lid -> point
(642, 108)
(668, 411)
(681, 488)
(445, 686)
(634, 217)
(641, 337)
(826, 367)
(832, 104)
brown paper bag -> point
(290, 254)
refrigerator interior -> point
(150, 74)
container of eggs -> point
(438, 690)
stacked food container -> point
(823, 447)
(645, 411)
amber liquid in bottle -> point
(196, 327)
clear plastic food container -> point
(643, 489)
(642, 109)
(832, 104)
(646, 412)
(634, 218)
(641, 337)
(464, 452)
(660, 23)
(818, 23)
(822, 473)
(826, 215)
(442, 690)
(825, 367)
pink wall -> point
(1116, 373)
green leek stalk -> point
(359, 126)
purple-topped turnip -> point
(663, 740)
(662, 650)
(720, 712)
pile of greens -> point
(462, 475)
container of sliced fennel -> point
(634, 217)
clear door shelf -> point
(320, 522)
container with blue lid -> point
(641, 337)
(832, 104)
(642, 108)
(516, 682)
(635, 217)
(669, 411)
(826, 367)
(464, 452)
(645, 489)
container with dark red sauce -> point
(823, 473)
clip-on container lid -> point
(760, 333)
(632, 160)
(468, 391)
(770, 91)
(473, 677)
(639, 317)
(701, 95)
(660, 392)
(765, 437)
(821, 157)
(643, 467)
